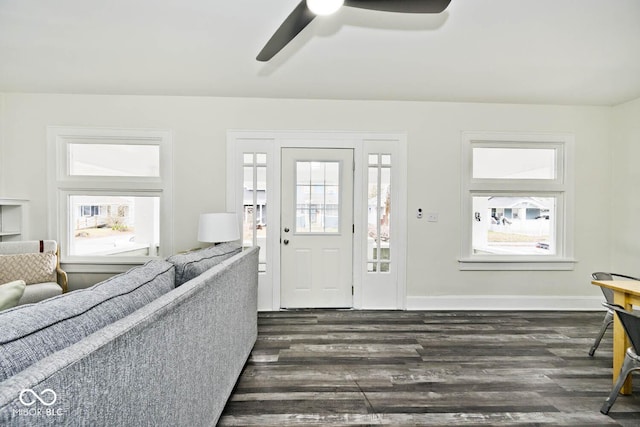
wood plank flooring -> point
(347, 368)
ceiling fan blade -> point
(403, 6)
(295, 22)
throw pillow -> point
(10, 294)
(30, 267)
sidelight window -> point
(379, 213)
(254, 219)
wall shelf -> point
(13, 219)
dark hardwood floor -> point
(345, 368)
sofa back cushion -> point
(194, 263)
(30, 267)
(31, 332)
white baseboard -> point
(507, 302)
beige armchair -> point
(37, 263)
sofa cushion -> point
(10, 293)
(194, 263)
(31, 332)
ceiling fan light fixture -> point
(324, 7)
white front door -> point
(316, 236)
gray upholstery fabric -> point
(31, 332)
(39, 292)
(194, 263)
(174, 362)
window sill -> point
(557, 264)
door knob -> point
(285, 241)
(286, 229)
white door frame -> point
(271, 143)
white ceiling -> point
(521, 51)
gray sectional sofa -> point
(160, 345)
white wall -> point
(2, 190)
(199, 126)
(625, 208)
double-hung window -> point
(110, 194)
(517, 201)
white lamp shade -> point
(324, 7)
(218, 227)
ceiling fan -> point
(307, 10)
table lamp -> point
(218, 227)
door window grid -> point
(317, 197)
(379, 213)
(254, 218)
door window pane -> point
(127, 160)
(514, 163)
(513, 225)
(317, 197)
(114, 225)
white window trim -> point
(562, 187)
(62, 185)
(271, 142)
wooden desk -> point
(625, 293)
